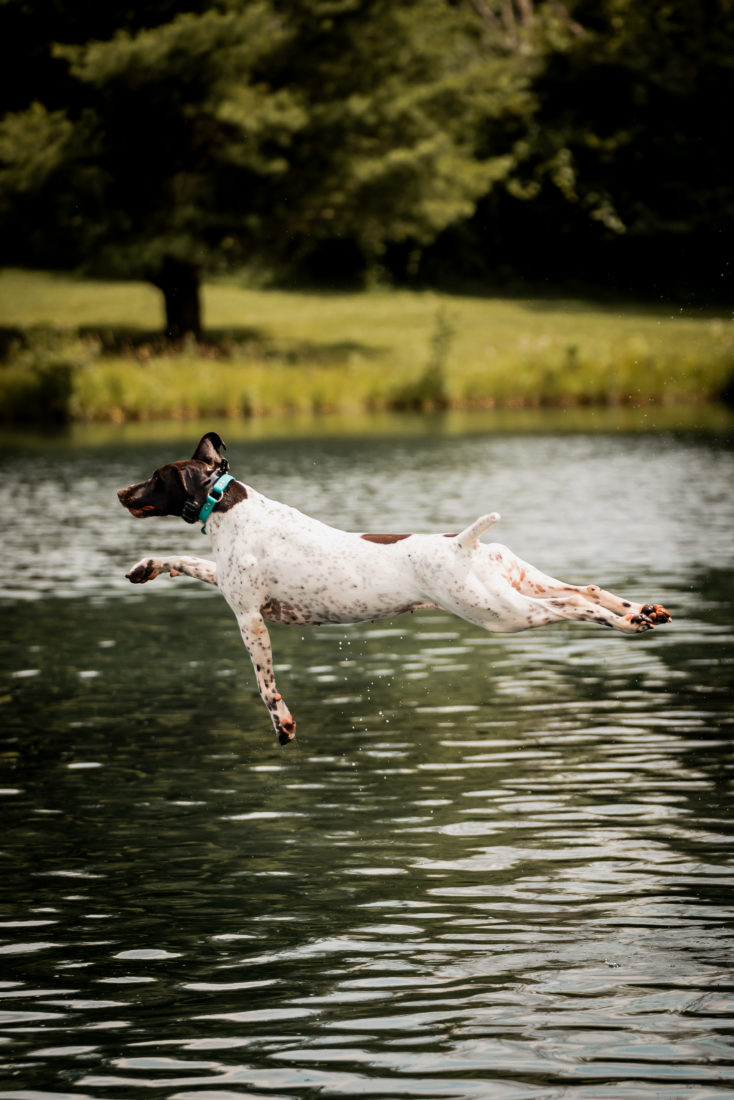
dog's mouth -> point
(141, 510)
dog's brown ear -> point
(208, 450)
(196, 483)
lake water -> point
(489, 867)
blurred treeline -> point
(454, 143)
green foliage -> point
(625, 137)
(344, 352)
(251, 125)
(32, 145)
(429, 390)
(38, 378)
(433, 140)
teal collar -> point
(214, 496)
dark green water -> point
(489, 866)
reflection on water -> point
(488, 867)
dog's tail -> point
(468, 539)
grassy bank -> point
(88, 351)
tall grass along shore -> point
(82, 350)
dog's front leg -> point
(256, 638)
(149, 568)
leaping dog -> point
(275, 563)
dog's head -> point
(179, 488)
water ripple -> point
(487, 868)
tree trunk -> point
(179, 282)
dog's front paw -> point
(142, 571)
(284, 722)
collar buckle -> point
(214, 496)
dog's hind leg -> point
(501, 608)
(256, 638)
(530, 581)
(150, 568)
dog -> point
(274, 563)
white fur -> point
(273, 562)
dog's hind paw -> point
(640, 622)
(648, 616)
(655, 612)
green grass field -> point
(90, 351)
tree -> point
(623, 156)
(244, 126)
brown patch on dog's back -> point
(385, 540)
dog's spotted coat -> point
(273, 562)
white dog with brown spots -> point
(273, 562)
